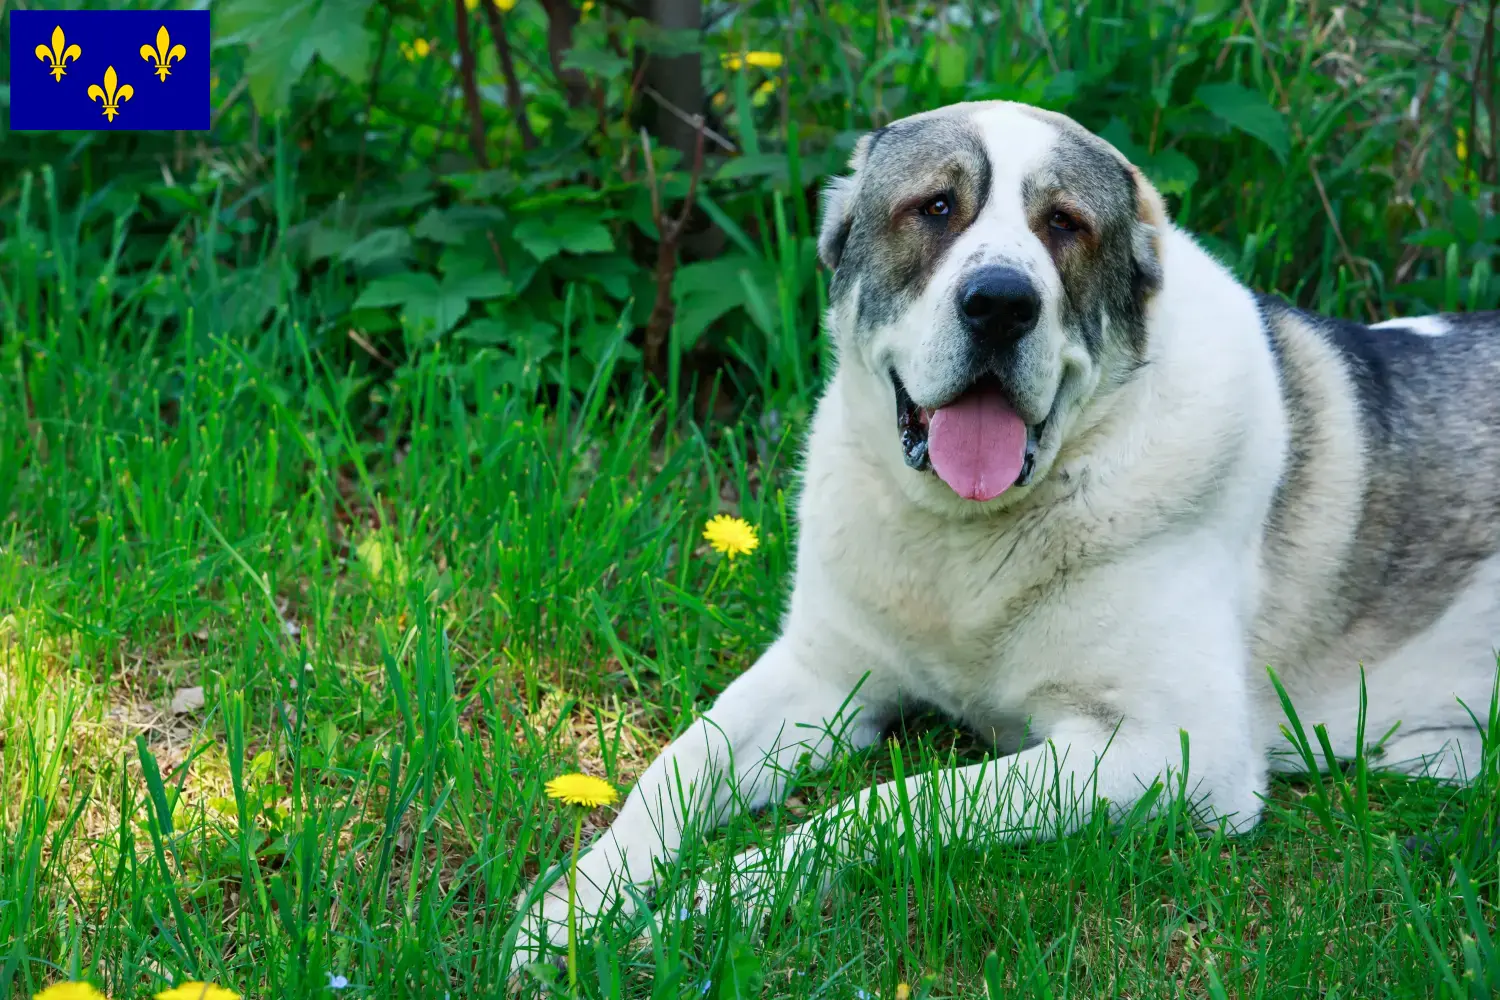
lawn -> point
(320, 553)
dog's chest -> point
(962, 609)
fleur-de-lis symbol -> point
(111, 95)
(164, 54)
(60, 53)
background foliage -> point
(1339, 154)
(351, 484)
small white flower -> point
(307, 667)
(336, 982)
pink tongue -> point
(977, 444)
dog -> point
(1074, 485)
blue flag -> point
(124, 70)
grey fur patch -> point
(1111, 270)
(1429, 416)
(1077, 701)
(867, 234)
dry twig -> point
(514, 99)
(669, 234)
(466, 73)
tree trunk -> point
(679, 80)
(561, 17)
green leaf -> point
(273, 67)
(537, 238)
(324, 241)
(456, 224)
(339, 37)
(1433, 238)
(1061, 88)
(614, 273)
(249, 294)
(1162, 92)
(758, 303)
(382, 244)
(1465, 219)
(545, 237)
(1171, 171)
(739, 975)
(695, 315)
(396, 290)
(479, 287)
(592, 238)
(284, 38)
(486, 330)
(435, 225)
(1247, 111)
(772, 165)
(437, 314)
(595, 62)
(1117, 134)
(951, 63)
(427, 305)
(241, 22)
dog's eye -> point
(936, 206)
(1062, 220)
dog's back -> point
(1383, 545)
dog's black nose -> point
(999, 303)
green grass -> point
(401, 637)
(417, 571)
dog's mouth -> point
(976, 443)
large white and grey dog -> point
(1077, 487)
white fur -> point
(1427, 688)
(905, 592)
(1426, 326)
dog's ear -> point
(1150, 226)
(837, 196)
(838, 205)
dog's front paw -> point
(759, 884)
(543, 934)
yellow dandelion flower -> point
(760, 60)
(197, 991)
(730, 536)
(70, 991)
(582, 790)
(903, 991)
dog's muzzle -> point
(984, 448)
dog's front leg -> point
(1090, 751)
(801, 697)
(1047, 791)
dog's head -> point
(992, 265)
